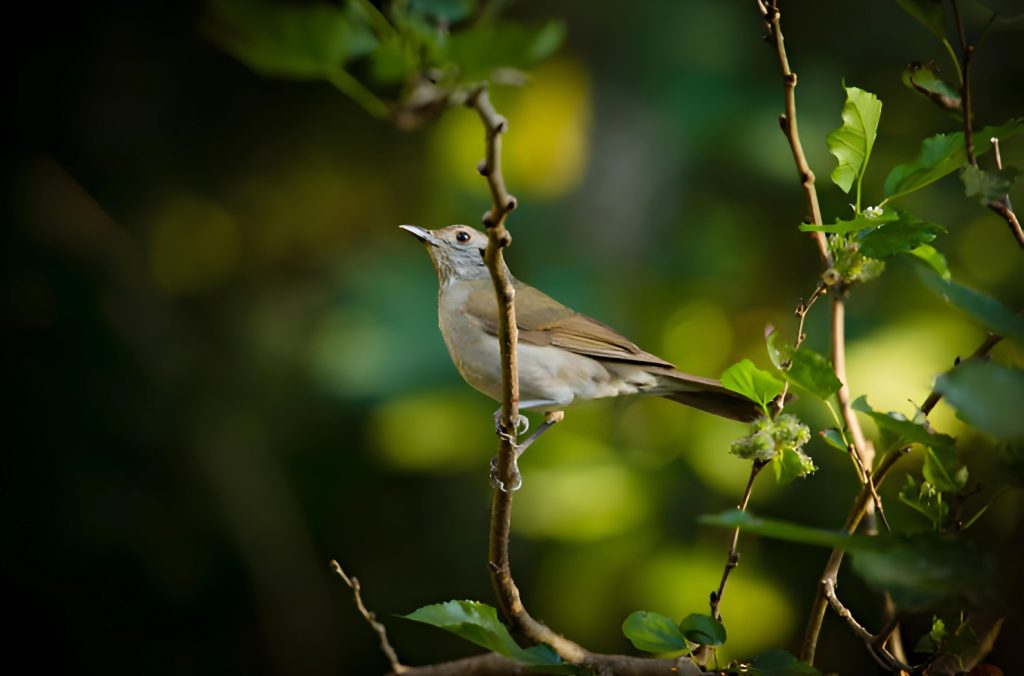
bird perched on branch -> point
(564, 356)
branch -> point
(505, 588)
(492, 664)
(353, 584)
(875, 643)
(1003, 206)
(771, 15)
(859, 509)
(733, 559)
(965, 90)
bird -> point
(564, 356)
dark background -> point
(222, 367)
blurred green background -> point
(223, 368)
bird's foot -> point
(515, 481)
(522, 425)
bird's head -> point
(457, 251)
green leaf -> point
(925, 499)
(779, 663)
(479, 52)
(986, 395)
(929, 13)
(898, 424)
(293, 40)
(902, 236)
(924, 78)
(702, 630)
(753, 383)
(777, 355)
(917, 570)
(653, 632)
(923, 569)
(448, 11)
(810, 371)
(940, 155)
(478, 622)
(933, 259)
(791, 464)
(988, 186)
(834, 439)
(987, 310)
(933, 640)
(865, 219)
(943, 470)
(851, 143)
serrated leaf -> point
(899, 425)
(653, 632)
(753, 383)
(941, 155)
(478, 622)
(986, 395)
(813, 373)
(293, 40)
(859, 222)
(987, 310)
(924, 78)
(834, 439)
(851, 143)
(901, 236)
(929, 13)
(478, 53)
(702, 630)
(779, 663)
(988, 186)
(933, 259)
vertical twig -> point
(967, 51)
(733, 559)
(503, 203)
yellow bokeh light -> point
(549, 121)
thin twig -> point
(503, 203)
(967, 51)
(733, 559)
(991, 340)
(353, 584)
(771, 15)
(873, 642)
(1003, 207)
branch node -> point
(481, 168)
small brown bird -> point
(564, 356)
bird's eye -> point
(462, 237)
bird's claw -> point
(516, 480)
(522, 425)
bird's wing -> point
(544, 321)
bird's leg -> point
(522, 425)
(550, 419)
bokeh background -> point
(222, 364)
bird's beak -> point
(422, 234)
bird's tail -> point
(707, 395)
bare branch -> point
(733, 559)
(353, 584)
(505, 588)
(1003, 206)
(875, 644)
(492, 664)
(772, 17)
